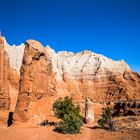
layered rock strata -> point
(46, 75)
(4, 85)
(127, 108)
(9, 78)
(32, 77)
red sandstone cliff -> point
(44, 75)
(10, 64)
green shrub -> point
(71, 120)
(106, 120)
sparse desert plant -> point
(106, 120)
(47, 123)
(71, 120)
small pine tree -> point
(106, 120)
(71, 120)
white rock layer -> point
(82, 63)
(15, 54)
(86, 63)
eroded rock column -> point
(89, 111)
(37, 85)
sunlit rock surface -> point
(32, 77)
(46, 75)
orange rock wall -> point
(41, 82)
(4, 85)
(45, 75)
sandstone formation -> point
(32, 78)
(89, 111)
(9, 78)
(127, 108)
(4, 85)
(37, 83)
(46, 75)
(15, 55)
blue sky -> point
(109, 27)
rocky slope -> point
(46, 75)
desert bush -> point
(47, 123)
(106, 120)
(71, 120)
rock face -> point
(46, 75)
(9, 79)
(4, 85)
(32, 78)
(127, 108)
(15, 55)
(37, 83)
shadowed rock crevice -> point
(10, 119)
(127, 108)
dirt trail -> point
(42, 133)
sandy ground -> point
(47, 133)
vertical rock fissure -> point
(10, 119)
